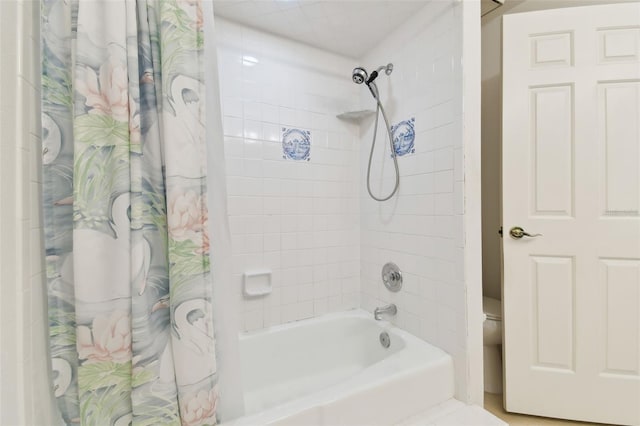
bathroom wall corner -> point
(471, 107)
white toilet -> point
(492, 339)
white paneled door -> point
(571, 172)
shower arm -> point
(387, 68)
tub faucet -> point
(389, 309)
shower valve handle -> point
(392, 277)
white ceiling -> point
(347, 27)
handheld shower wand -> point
(359, 76)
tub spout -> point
(389, 309)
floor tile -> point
(493, 404)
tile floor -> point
(453, 413)
(493, 404)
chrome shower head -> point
(359, 75)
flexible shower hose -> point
(379, 109)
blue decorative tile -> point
(404, 136)
(296, 144)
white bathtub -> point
(333, 370)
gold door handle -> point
(517, 232)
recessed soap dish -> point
(257, 283)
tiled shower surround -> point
(421, 228)
(312, 222)
(299, 219)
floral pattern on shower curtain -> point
(125, 214)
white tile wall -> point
(298, 219)
(422, 229)
(312, 223)
(25, 398)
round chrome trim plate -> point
(392, 277)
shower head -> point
(359, 75)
